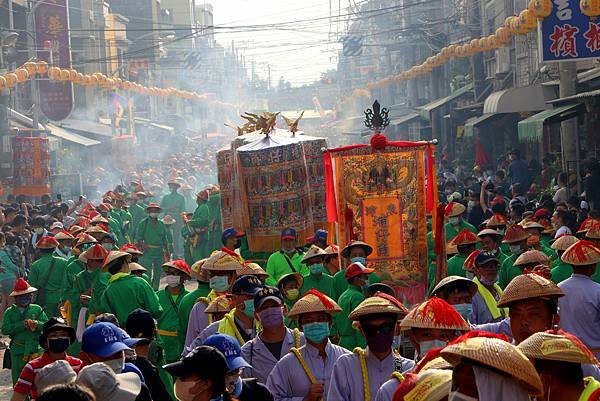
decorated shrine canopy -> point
(271, 182)
(376, 193)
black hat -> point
(266, 293)
(205, 361)
(140, 321)
(246, 285)
(55, 324)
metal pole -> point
(33, 82)
(569, 137)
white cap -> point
(106, 385)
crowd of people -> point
(144, 296)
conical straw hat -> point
(453, 209)
(373, 305)
(312, 252)
(222, 261)
(436, 363)
(533, 256)
(465, 237)
(593, 232)
(557, 346)
(314, 301)
(435, 313)
(499, 355)
(253, 269)
(563, 242)
(497, 220)
(515, 233)
(469, 263)
(581, 253)
(529, 286)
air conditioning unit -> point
(91, 15)
(502, 60)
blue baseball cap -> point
(103, 339)
(230, 348)
(231, 232)
(246, 285)
(320, 234)
(288, 233)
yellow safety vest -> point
(490, 301)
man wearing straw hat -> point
(318, 278)
(126, 292)
(358, 376)
(221, 268)
(516, 238)
(88, 287)
(579, 307)
(558, 358)
(174, 204)
(22, 322)
(561, 270)
(203, 289)
(432, 324)
(490, 369)
(155, 241)
(170, 322)
(465, 242)
(47, 274)
(433, 384)
(306, 372)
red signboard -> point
(52, 33)
(31, 161)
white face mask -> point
(153, 215)
(454, 220)
(172, 280)
(516, 249)
(182, 390)
(116, 365)
(458, 396)
(38, 231)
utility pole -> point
(569, 137)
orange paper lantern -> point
(73, 75)
(2, 82)
(527, 20)
(65, 75)
(540, 8)
(41, 67)
(54, 73)
(22, 75)
(11, 80)
(31, 67)
(591, 8)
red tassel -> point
(478, 333)
(326, 302)
(440, 313)
(378, 141)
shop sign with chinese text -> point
(568, 34)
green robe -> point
(277, 266)
(451, 232)
(170, 324)
(48, 275)
(203, 245)
(340, 283)
(215, 224)
(138, 213)
(188, 302)
(156, 240)
(24, 344)
(455, 265)
(125, 293)
(71, 293)
(350, 338)
(508, 271)
(323, 283)
(173, 204)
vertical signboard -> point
(31, 160)
(52, 34)
(568, 34)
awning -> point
(532, 129)
(429, 107)
(576, 98)
(473, 122)
(87, 127)
(405, 118)
(69, 136)
(516, 100)
(582, 77)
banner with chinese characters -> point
(31, 161)
(568, 34)
(226, 173)
(52, 40)
(380, 196)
